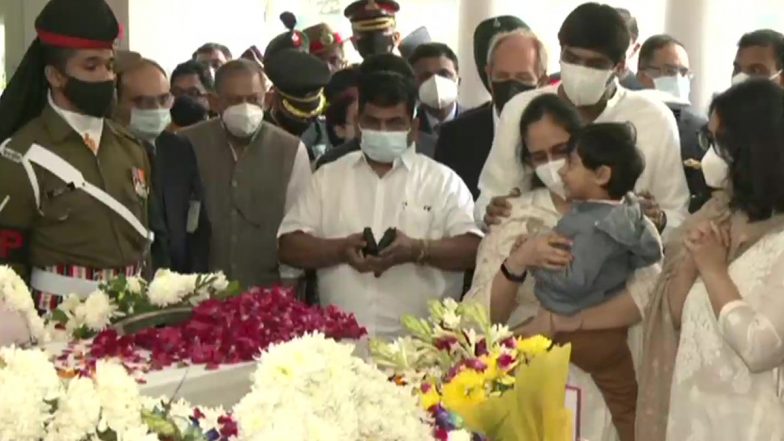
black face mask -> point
(187, 111)
(503, 91)
(92, 98)
(294, 126)
(374, 43)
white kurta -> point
(727, 383)
(531, 213)
(420, 197)
(657, 139)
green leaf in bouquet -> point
(161, 425)
(107, 435)
(233, 290)
(83, 333)
(59, 316)
(419, 328)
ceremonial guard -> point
(373, 26)
(73, 184)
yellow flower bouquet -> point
(473, 375)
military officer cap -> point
(322, 38)
(412, 41)
(299, 79)
(63, 24)
(483, 37)
(291, 39)
(372, 15)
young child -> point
(611, 240)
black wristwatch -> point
(514, 278)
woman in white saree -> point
(723, 289)
(546, 127)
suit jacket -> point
(690, 122)
(179, 188)
(464, 143)
(427, 137)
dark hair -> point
(340, 82)
(751, 139)
(433, 50)
(596, 27)
(631, 22)
(388, 63)
(387, 89)
(336, 114)
(212, 47)
(192, 67)
(612, 145)
(765, 38)
(653, 44)
(549, 104)
(234, 67)
(136, 65)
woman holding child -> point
(548, 126)
(714, 340)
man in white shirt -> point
(594, 40)
(386, 185)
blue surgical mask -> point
(149, 123)
(677, 85)
(382, 146)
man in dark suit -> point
(143, 106)
(437, 75)
(664, 69)
(510, 60)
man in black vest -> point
(510, 60)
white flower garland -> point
(37, 405)
(312, 388)
(16, 297)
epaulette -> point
(123, 132)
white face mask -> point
(438, 92)
(677, 85)
(548, 174)
(583, 85)
(148, 124)
(715, 169)
(243, 120)
(382, 146)
(742, 77)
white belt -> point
(52, 283)
(70, 175)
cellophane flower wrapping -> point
(470, 374)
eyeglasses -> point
(192, 92)
(669, 71)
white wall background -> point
(169, 30)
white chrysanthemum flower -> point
(98, 311)
(135, 285)
(459, 435)
(15, 296)
(137, 433)
(312, 388)
(119, 397)
(28, 382)
(170, 288)
(77, 412)
(221, 282)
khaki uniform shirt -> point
(245, 198)
(70, 227)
